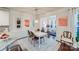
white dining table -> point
(39, 34)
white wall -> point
(13, 18)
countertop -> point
(5, 44)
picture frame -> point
(26, 22)
(18, 23)
(63, 21)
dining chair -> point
(66, 40)
(32, 38)
(67, 37)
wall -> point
(13, 18)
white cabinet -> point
(4, 18)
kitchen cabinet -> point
(4, 18)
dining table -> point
(40, 34)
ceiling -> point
(41, 10)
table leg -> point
(45, 38)
(39, 42)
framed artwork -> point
(18, 23)
(18, 26)
(26, 23)
(63, 21)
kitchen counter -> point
(5, 44)
(14, 36)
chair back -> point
(29, 33)
(33, 35)
(68, 35)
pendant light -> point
(36, 15)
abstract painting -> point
(63, 21)
(26, 23)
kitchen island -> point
(5, 44)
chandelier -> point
(36, 15)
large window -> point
(52, 22)
(48, 23)
(76, 25)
